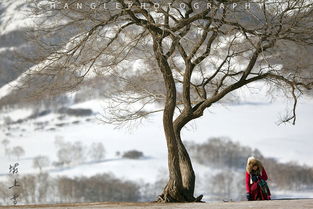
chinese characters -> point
(14, 171)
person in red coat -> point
(256, 177)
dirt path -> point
(274, 204)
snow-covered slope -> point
(16, 38)
(252, 125)
(14, 15)
(14, 21)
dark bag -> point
(254, 178)
(264, 187)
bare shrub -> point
(133, 154)
(78, 112)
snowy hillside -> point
(14, 15)
(38, 136)
(17, 45)
(284, 142)
(14, 22)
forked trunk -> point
(173, 190)
(185, 191)
(180, 187)
(185, 165)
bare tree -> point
(40, 162)
(97, 151)
(179, 57)
(77, 152)
(5, 143)
(17, 151)
(69, 153)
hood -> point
(251, 162)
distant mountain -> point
(16, 42)
(12, 40)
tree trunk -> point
(185, 192)
(173, 190)
(186, 169)
(180, 187)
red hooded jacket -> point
(248, 185)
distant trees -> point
(105, 187)
(3, 193)
(42, 188)
(5, 143)
(222, 184)
(96, 151)
(150, 190)
(227, 184)
(133, 154)
(221, 152)
(69, 153)
(40, 162)
(231, 157)
(29, 187)
(289, 176)
(117, 153)
(78, 152)
(64, 155)
(17, 151)
(73, 153)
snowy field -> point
(253, 125)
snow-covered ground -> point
(251, 125)
(291, 195)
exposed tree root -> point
(167, 198)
